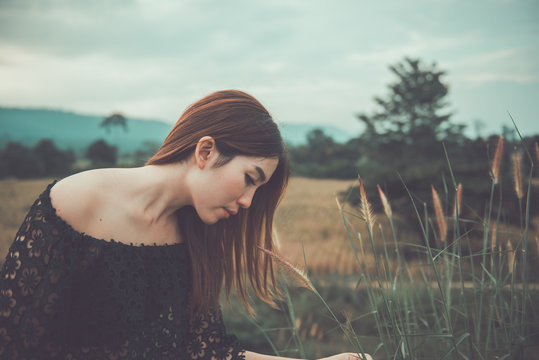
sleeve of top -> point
(208, 339)
(34, 285)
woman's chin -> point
(210, 220)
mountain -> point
(75, 131)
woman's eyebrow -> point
(261, 174)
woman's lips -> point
(231, 212)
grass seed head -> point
(510, 257)
(298, 274)
(385, 203)
(338, 202)
(440, 219)
(495, 169)
(493, 234)
(365, 206)
(457, 201)
(517, 174)
(537, 152)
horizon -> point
(328, 129)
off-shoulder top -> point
(67, 295)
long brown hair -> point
(228, 250)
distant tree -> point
(144, 153)
(404, 138)
(101, 154)
(322, 157)
(412, 114)
(50, 160)
(41, 160)
(19, 161)
(114, 122)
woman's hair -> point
(228, 250)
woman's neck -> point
(156, 192)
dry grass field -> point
(308, 215)
(308, 219)
(16, 197)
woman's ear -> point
(204, 151)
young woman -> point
(129, 263)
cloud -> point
(416, 44)
(514, 64)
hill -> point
(75, 131)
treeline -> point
(320, 157)
(41, 160)
(46, 160)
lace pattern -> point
(67, 295)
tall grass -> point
(464, 315)
(484, 312)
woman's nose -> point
(245, 199)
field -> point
(308, 216)
(365, 293)
(308, 219)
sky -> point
(312, 61)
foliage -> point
(144, 153)
(113, 121)
(410, 140)
(52, 162)
(322, 157)
(101, 154)
(409, 124)
(42, 160)
(411, 112)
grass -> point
(16, 197)
(473, 298)
(475, 306)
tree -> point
(144, 153)
(101, 154)
(19, 161)
(322, 157)
(42, 160)
(403, 136)
(412, 114)
(50, 160)
(114, 120)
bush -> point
(42, 160)
(101, 154)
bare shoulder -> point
(76, 197)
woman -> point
(129, 263)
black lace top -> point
(67, 295)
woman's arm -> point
(249, 355)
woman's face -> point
(219, 192)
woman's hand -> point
(349, 356)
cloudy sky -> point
(312, 61)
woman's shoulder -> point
(76, 197)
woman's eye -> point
(249, 180)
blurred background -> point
(411, 93)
